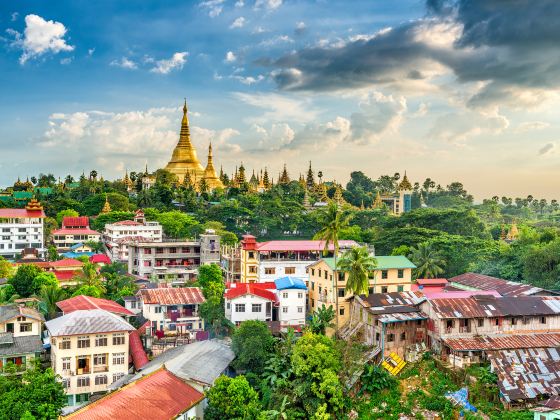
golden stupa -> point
(184, 157)
(210, 176)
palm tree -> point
(429, 262)
(332, 221)
(89, 276)
(358, 263)
(50, 295)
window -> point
(300, 295)
(117, 376)
(513, 321)
(133, 305)
(251, 255)
(312, 271)
(377, 336)
(497, 322)
(101, 340)
(403, 336)
(66, 383)
(252, 269)
(370, 290)
(400, 273)
(101, 380)
(284, 309)
(312, 285)
(26, 327)
(157, 309)
(543, 320)
(270, 270)
(290, 270)
(384, 274)
(118, 339)
(300, 309)
(481, 322)
(341, 292)
(256, 307)
(83, 381)
(83, 342)
(400, 288)
(341, 311)
(118, 358)
(285, 295)
(319, 272)
(384, 289)
(390, 337)
(326, 275)
(341, 276)
(239, 307)
(228, 305)
(65, 343)
(66, 363)
(449, 324)
(100, 359)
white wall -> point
(280, 270)
(248, 300)
(291, 299)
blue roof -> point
(76, 254)
(289, 282)
(76, 246)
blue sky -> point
(449, 90)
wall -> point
(248, 300)
(296, 298)
(35, 327)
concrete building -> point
(392, 274)
(173, 261)
(230, 261)
(20, 335)
(266, 261)
(89, 350)
(74, 230)
(20, 229)
(116, 236)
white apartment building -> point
(173, 261)
(20, 229)
(282, 301)
(118, 235)
(89, 350)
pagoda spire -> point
(106, 207)
(211, 179)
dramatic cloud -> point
(547, 149)
(238, 23)
(124, 63)
(40, 37)
(177, 61)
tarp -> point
(461, 397)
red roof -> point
(64, 275)
(256, 289)
(128, 223)
(75, 231)
(80, 221)
(21, 213)
(159, 396)
(431, 282)
(139, 357)
(67, 262)
(172, 296)
(301, 245)
(100, 259)
(82, 302)
(509, 342)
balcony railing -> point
(97, 369)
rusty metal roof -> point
(526, 374)
(470, 281)
(402, 316)
(172, 296)
(504, 342)
(392, 299)
(486, 306)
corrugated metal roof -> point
(289, 282)
(401, 316)
(384, 262)
(82, 302)
(8, 312)
(526, 374)
(392, 299)
(159, 396)
(312, 245)
(503, 287)
(172, 296)
(137, 352)
(241, 289)
(87, 322)
(504, 342)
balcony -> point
(102, 368)
(173, 316)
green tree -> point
(65, 213)
(332, 221)
(252, 343)
(23, 280)
(6, 268)
(232, 398)
(213, 288)
(52, 253)
(322, 319)
(178, 225)
(429, 263)
(88, 290)
(44, 279)
(50, 295)
(358, 263)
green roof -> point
(384, 262)
(44, 190)
(22, 195)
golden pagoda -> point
(212, 180)
(33, 205)
(106, 207)
(184, 156)
(513, 233)
(405, 184)
(377, 204)
(127, 181)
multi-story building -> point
(282, 301)
(20, 335)
(174, 261)
(391, 274)
(89, 350)
(266, 261)
(117, 235)
(74, 230)
(231, 263)
(20, 229)
(174, 309)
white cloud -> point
(66, 60)
(40, 37)
(532, 126)
(278, 108)
(124, 63)
(177, 61)
(214, 7)
(547, 149)
(238, 23)
(276, 40)
(220, 139)
(239, 3)
(322, 136)
(90, 51)
(259, 30)
(230, 57)
(300, 28)
(268, 4)
(14, 16)
(247, 80)
(421, 111)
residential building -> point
(87, 303)
(20, 335)
(391, 274)
(74, 230)
(172, 309)
(174, 261)
(548, 409)
(430, 285)
(231, 263)
(116, 236)
(266, 261)
(78, 250)
(280, 303)
(20, 229)
(89, 350)
(161, 395)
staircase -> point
(348, 331)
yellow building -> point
(392, 274)
(185, 161)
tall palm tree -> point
(358, 263)
(50, 295)
(332, 220)
(429, 262)
(90, 276)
